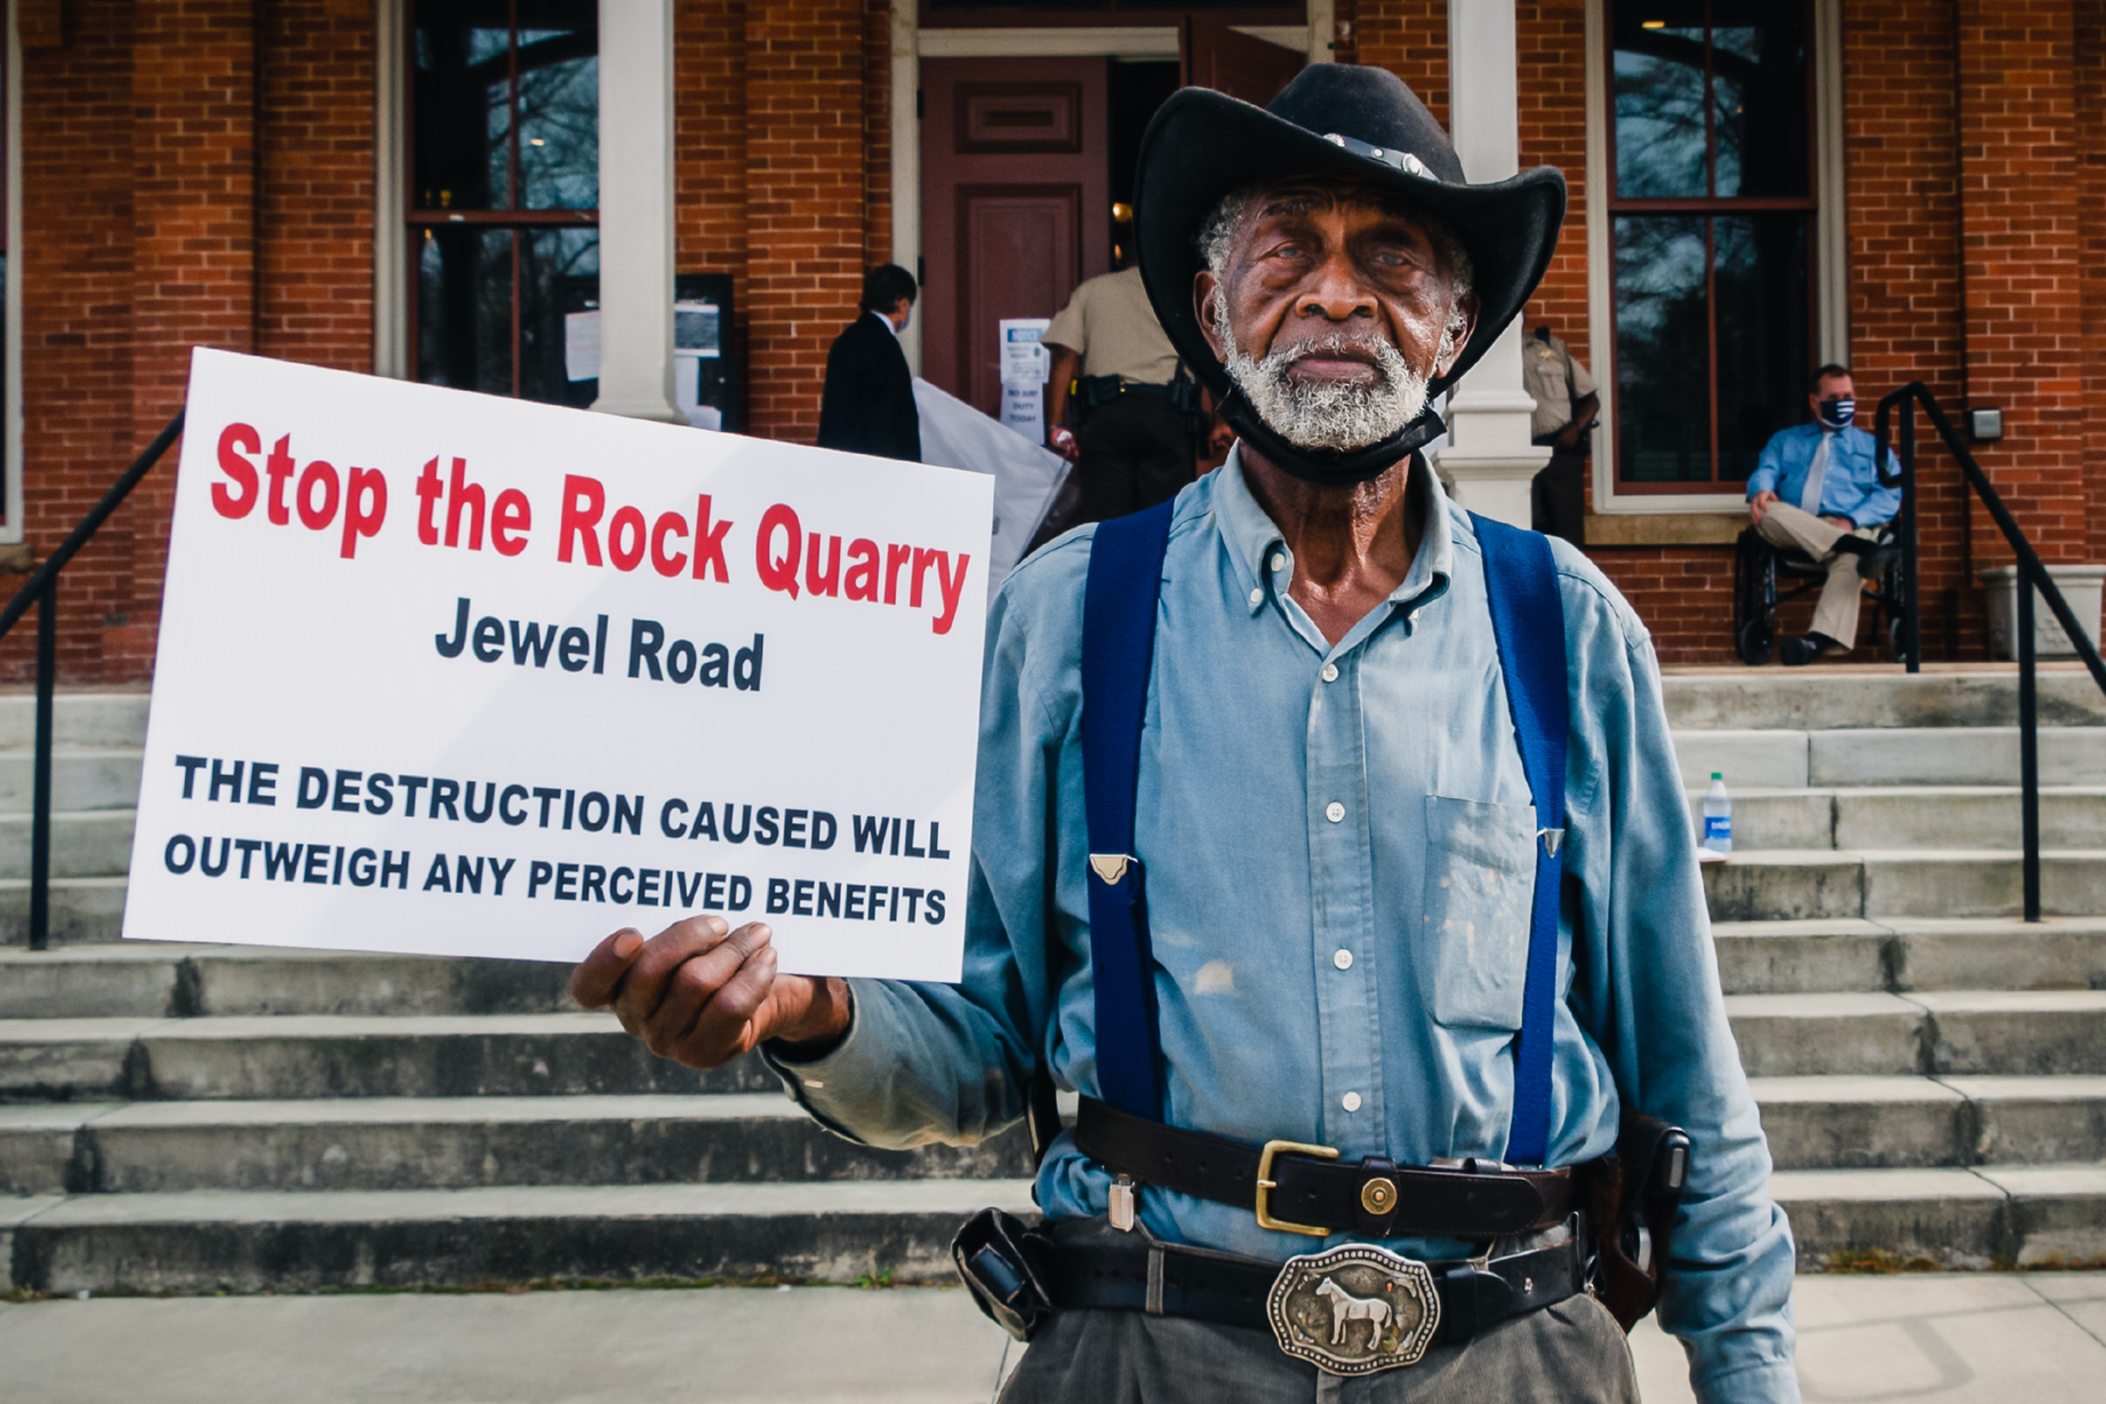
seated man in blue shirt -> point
(1341, 856)
(1815, 488)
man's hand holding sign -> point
(701, 993)
(451, 674)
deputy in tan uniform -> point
(1566, 403)
(1116, 373)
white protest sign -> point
(446, 673)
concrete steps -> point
(324, 1055)
(1910, 953)
(1989, 1032)
(1797, 884)
(1864, 1123)
(1905, 817)
(1931, 1072)
(400, 1143)
(239, 1241)
(2032, 1216)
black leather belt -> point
(1166, 1280)
(1307, 1189)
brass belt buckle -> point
(1355, 1309)
(1266, 1185)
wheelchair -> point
(1767, 575)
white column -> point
(1323, 30)
(906, 159)
(636, 210)
(1489, 454)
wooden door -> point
(1215, 56)
(1015, 201)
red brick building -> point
(414, 188)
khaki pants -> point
(1836, 614)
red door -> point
(1215, 56)
(1016, 205)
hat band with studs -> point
(1398, 160)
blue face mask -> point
(1838, 412)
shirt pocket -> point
(1480, 879)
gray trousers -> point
(1573, 1352)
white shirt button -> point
(1342, 958)
(1350, 1101)
(1334, 811)
(1257, 597)
(1330, 672)
(1279, 562)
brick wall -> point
(2091, 212)
(202, 174)
(2022, 278)
(877, 132)
(804, 201)
(314, 193)
(1901, 76)
(76, 259)
(1410, 39)
(709, 148)
(193, 247)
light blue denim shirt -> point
(1353, 981)
(1849, 486)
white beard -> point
(1325, 414)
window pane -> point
(1659, 65)
(559, 105)
(464, 309)
(1758, 76)
(462, 93)
(559, 274)
(1663, 389)
(1763, 360)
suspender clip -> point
(1110, 867)
(1121, 1203)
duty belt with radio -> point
(1091, 392)
(1357, 1307)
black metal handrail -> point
(2032, 575)
(42, 591)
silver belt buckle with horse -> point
(1354, 1309)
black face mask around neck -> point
(1329, 467)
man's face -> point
(902, 313)
(1831, 387)
(1330, 311)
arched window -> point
(503, 196)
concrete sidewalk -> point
(1945, 1338)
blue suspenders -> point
(1118, 653)
(1528, 620)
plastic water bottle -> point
(1718, 816)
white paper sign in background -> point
(446, 673)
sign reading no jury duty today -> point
(445, 673)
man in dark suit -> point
(868, 404)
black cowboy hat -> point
(1342, 120)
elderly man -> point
(1396, 975)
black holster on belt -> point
(1091, 392)
(998, 1258)
(1632, 1199)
